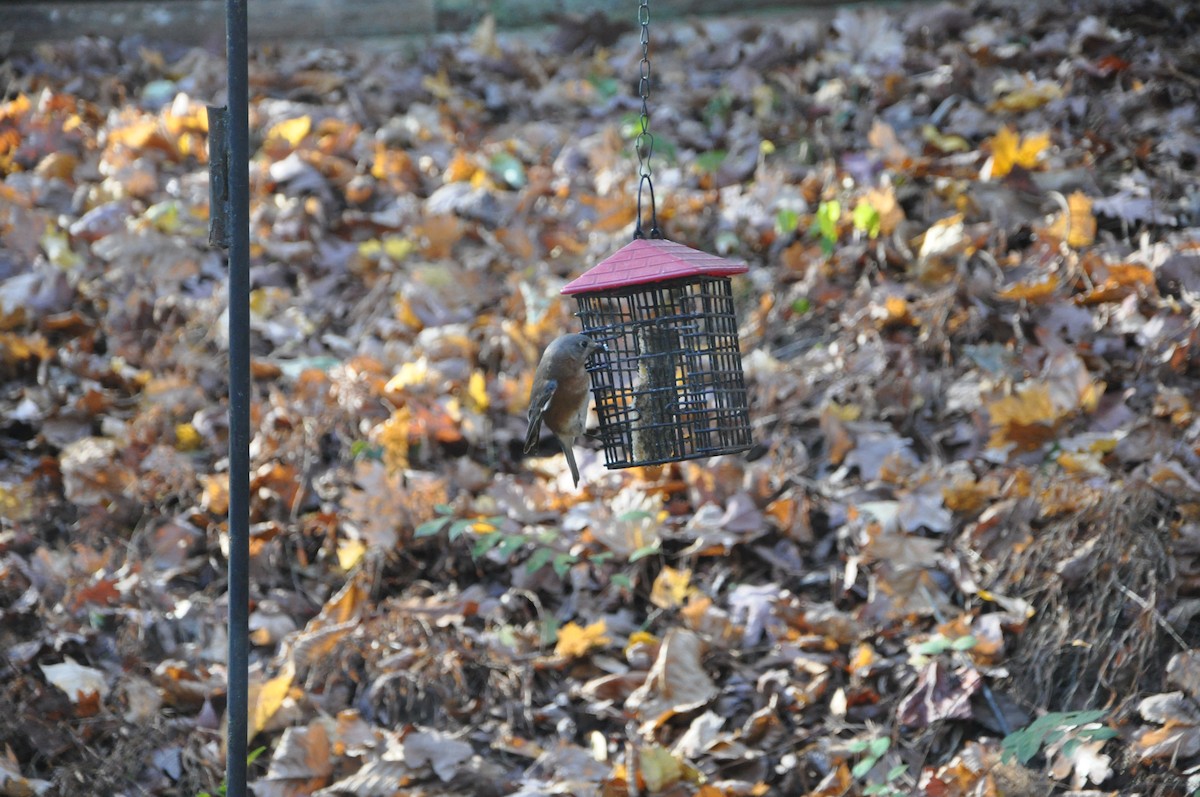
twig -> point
(1163, 622)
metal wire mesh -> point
(670, 387)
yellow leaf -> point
(412, 374)
(844, 412)
(15, 108)
(659, 768)
(186, 437)
(640, 638)
(575, 640)
(350, 553)
(1027, 97)
(269, 696)
(397, 247)
(57, 247)
(14, 501)
(1077, 226)
(393, 436)
(477, 396)
(292, 131)
(1081, 462)
(944, 143)
(460, 169)
(671, 588)
(864, 656)
(1009, 150)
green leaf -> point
(896, 772)
(709, 162)
(1022, 745)
(863, 767)
(1052, 736)
(562, 563)
(879, 745)
(866, 219)
(828, 214)
(876, 788)
(964, 643)
(634, 515)
(857, 746)
(801, 306)
(443, 509)
(786, 221)
(459, 526)
(538, 560)
(548, 630)
(510, 544)
(1077, 718)
(508, 170)
(643, 552)
(431, 528)
(932, 646)
(485, 543)
(1103, 732)
(1047, 729)
(621, 580)
(601, 558)
(606, 87)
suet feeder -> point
(670, 386)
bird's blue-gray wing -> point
(537, 406)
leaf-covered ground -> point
(962, 559)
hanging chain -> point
(644, 143)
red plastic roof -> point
(651, 260)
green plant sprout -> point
(873, 750)
(224, 787)
(1079, 726)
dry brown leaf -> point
(677, 682)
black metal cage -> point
(670, 387)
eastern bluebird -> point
(559, 397)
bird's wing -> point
(537, 406)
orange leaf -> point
(1036, 290)
(575, 640)
(1010, 149)
(1077, 226)
(1027, 418)
(671, 588)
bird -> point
(559, 397)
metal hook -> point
(654, 231)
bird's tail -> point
(568, 450)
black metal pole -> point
(239, 397)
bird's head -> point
(578, 347)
